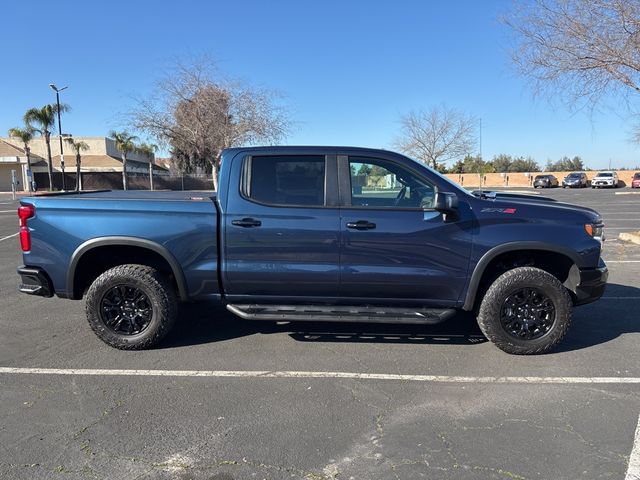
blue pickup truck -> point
(322, 234)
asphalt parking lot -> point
(224, 400)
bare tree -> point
(197, 114)
(580, 50)
(437, 135)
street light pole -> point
(58, 90)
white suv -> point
(605, 179)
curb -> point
(633, 237)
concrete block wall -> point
(518, 179)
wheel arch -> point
(114, 241)
(537, 247)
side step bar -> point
(326, 313)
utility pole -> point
(58, 90)
(480, 138)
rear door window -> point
(288, 180)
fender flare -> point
(486, 259)
(89, 245)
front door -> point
(395, 246)
(281, 231)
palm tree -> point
(149, 149)
(25, 135)
(78, 147)
(125, 144)
(44, 119)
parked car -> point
(605, 179)
(545, 181)
(575, 180)
(635, 181)
(318, 234)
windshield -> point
(443, 177)
(637, 175)
(605, 174)
(573, 175)
(541, 177)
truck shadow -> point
(210, 323)
(593, 324)
(605, 320)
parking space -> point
(228, 399)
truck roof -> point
(308, 149)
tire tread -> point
(164, 299)
(490, 307)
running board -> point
(326, 313)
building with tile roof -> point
(102, 156)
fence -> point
(136, 181)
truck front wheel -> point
(525, 311)
(131, 307)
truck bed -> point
(180, 226)
(189, 195)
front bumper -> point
(592, 284)
(34, 281)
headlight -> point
(595, 230)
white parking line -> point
(9, 211)
(294, 374)
(633, 470)
(10, 236)
(622, 261)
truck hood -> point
(505, 200)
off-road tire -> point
(158, 289)
(489, 315)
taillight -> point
(25, 212)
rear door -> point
(281, 229)
(395, 246)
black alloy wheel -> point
(527, 314)
(126, 310)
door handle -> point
(246, 223)
(361, 225)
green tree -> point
(78, 146)
(522, 164)
(502, 163)
(565, 164)
(475, 164)
(42, 120)
(457, 167)
(149, 149)
(25, 135)
(125, 144)
(478, 166)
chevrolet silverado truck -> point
(320, 234)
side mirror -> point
(446, 203)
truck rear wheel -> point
(525, 311)
(131, 307)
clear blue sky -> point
(348, 69)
